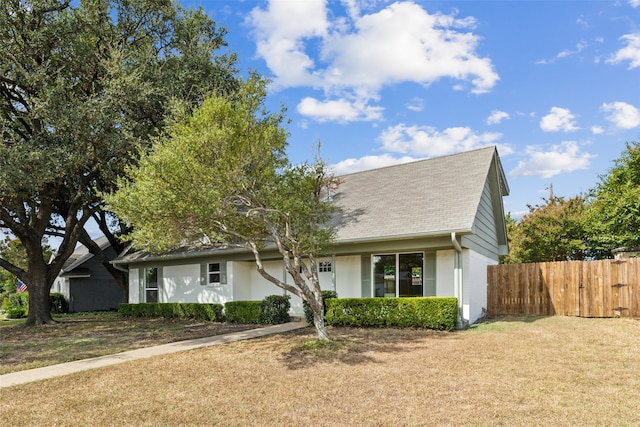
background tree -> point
(13, 251)
(613, 216)
(83, 85)
(553, 231)
(220, 177)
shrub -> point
(274, 309)
(212, 312)
(242, 311)
(308, 312)
(16, 305)
(431, 312)
(58, 303)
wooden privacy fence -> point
(606, 288)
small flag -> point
(21, 287)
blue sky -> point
(553, 84)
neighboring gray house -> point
(426, 228)
(86, 283)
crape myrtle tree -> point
(83, 86)
(219, 177)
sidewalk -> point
(31, 375)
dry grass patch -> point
(549, 371)
(81, 336)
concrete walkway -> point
(31, 375)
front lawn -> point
(555, 371)
(83, 335)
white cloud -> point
(562, 158)
(634, 3)
(368, 162)
(340, 110)
(622, 115)
(496, 117)
(629, 53)
(427, 141)
(281, 32)
(304, 44)
(568, 52)
(429, 47)
(558, 119)
(597, 130)
(416, 104)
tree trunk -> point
(318, 322)
(38, 288)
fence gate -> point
(605, 288)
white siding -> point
(134, 286)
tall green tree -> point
(553, 231)
(613, 217)
(83, 86)
(12, 250)
(220, 178)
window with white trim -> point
(325, 266)
(213, 273)
(151, 284)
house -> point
(426, 228)
(85, 282)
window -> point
(151, 285)
(213, 274)
(324, 267)
(398, 275)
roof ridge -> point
(493, 147)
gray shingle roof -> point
(431, 197)
(82, 254)
(428, 197)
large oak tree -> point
(83, 86)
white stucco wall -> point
(475, 284)
(326, 277)
(239, 274)
(348, 276)
(444, 273)
(181, 283)
(134, 286)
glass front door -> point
(398, 275)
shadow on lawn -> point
(354, 346)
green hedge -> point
(272, 310)
(308, 312)
(430, 312)
(17, 304)
(212, 312)
(242, 311)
